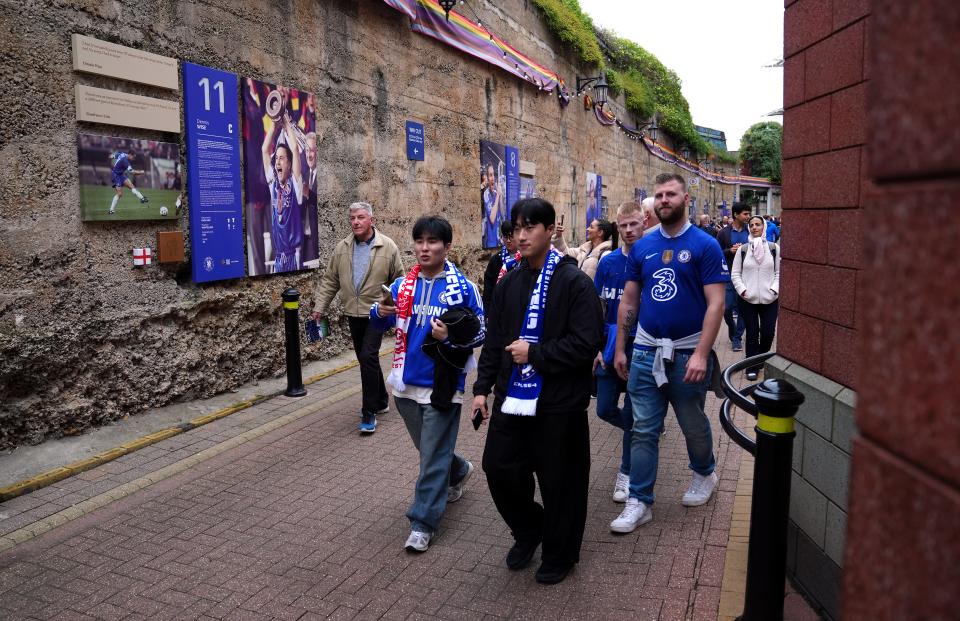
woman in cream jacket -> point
(600, 241)
(756, 277)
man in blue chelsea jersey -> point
(677, 278)
(121, 166)
(609, 281)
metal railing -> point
(775, 403)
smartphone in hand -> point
(386, 295)
(477, 418)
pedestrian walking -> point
(676, 279)
(731, 237)
(438, 314)
(500, 262)
(707, 227)
(756, 277)
(600, 242)
(544, 331)
(609, 282)
(360, 264)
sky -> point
(718, 48)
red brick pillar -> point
(903, 537)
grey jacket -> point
(385, 267)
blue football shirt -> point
(610, 279)
(671, 272)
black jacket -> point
(451, 358)
(490, 279)
(572, 336)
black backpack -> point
(770, 244)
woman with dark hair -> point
(756, 277)
(601, 240)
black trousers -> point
(760, 324)
(366, 344)
(555, 448)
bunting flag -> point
(428, 18)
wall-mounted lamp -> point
(447, 6)
(599, 88)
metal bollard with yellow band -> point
(777, 402)
(291, 328)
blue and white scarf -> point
(525, 381)
(508, 262)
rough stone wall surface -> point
(86, 339)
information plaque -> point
(213, 165)
(415, 148)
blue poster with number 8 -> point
(212, 126)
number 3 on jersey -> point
(665, 288)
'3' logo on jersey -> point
(665, 288)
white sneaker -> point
(417, 541)
(455, 492)
(621, 489)
(634, 514)
(700, 490)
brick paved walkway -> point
(286, 512)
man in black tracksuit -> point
(554, 444)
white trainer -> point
(634, 514)
(417, 541)
(455, 492)
(700, 490)
(621, 489)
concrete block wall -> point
(818, 490)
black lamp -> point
(447, 6)
(685, 153)
(600, 88)
(653, 129)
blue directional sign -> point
(414, 141)
(512, 171)
(213, 166)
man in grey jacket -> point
(359, 265)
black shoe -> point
(144, 200)
(521, 553)
(751, 375)
(552, 574)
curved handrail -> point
(739, 398)
(736, 434)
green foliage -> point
(724, 156)
(573, 27)
(761, 147)
(648, 87)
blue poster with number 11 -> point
(213, 166)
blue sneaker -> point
(368, 422)
(737, 345)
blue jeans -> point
(434, 433)
(649, 410)
(609, 387)
(731, 314)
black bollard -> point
(777, 401)
(291, 324)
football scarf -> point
(453, 295)
(525, 381)
(509, 262)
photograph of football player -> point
(492, 192)
(280, 162)
(108, 165)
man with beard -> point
(677, 278)
(545, 328)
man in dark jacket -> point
(507, 252)
(545, 328)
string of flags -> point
(439, 20)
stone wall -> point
(86, 339)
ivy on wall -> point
(647, 86)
